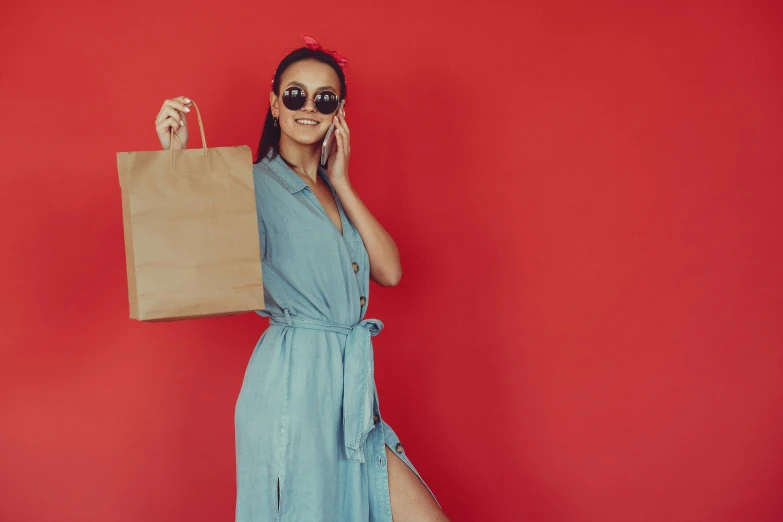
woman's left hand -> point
(337, 163)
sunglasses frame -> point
(283, 96)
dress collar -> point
(288, 177)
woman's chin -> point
(308, 139)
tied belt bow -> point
(358, 376)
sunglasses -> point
(294, 98)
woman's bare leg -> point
(410, 499)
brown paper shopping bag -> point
(191, 232)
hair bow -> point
(310, 43)
(315, 46)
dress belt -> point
(358, 376)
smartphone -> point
(326, 147)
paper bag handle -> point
(200, 125)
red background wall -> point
(587, 199)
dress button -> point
(399, 448)
(375, 418)
(355, 267)
(362, 301)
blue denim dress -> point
(307, 420)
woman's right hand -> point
(172, 115)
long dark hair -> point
(270, 136)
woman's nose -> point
(311, 104)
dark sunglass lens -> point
(326, 102)
(294, 98)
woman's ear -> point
(273, 104)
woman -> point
(310, 441)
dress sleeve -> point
(262, 233)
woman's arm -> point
(385, 267)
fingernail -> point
(182, 122)
(187, 110)
(336, 118)
(187, 100)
